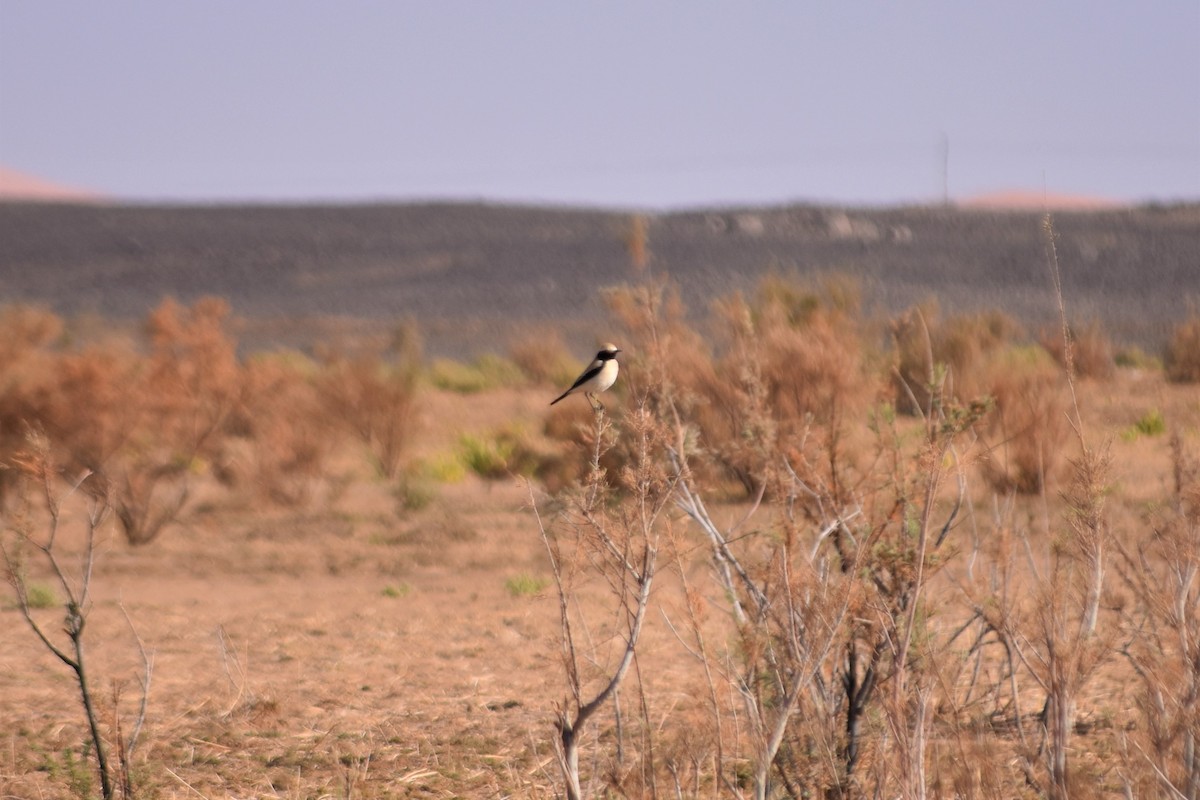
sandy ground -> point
(357, 649)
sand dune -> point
(1025, 200)
(16, 185)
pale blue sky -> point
(620, 103)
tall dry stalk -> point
(1060, 642)
(616, 537)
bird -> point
(599, 376)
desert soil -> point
(353, 648)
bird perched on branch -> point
(598, 377)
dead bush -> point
(281, 438)
(371, 390)
(1091, 351)
(544, 359)
(1182, 355)
(820, 682)
(26, 365)
(791, 361)
(1030, 428)
(950, 356)
(145, 425)
(1163, 629)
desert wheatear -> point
(599, 376)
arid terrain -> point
(367, 632)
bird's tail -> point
(560, 397)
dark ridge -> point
(471, 274)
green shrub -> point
(486, 372)
(414, 493)
(1134, 357)
(499, 454)
(1152, 423)
(525, 585)
(39, 595)
(442, 469)
(486, 457)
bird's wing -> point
(587, 375)
(592, 371)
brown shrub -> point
(1182, 355)
(26, 334)
(281, 437)
(143, 424)
(1163, 625)
(371, 391)
(87, 406)
(543, 358)
(791, 361)
(951, 357)
(1029, 428)
(181, 397)
(26, 329)
(1091, 351)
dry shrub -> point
(281, 438)
(1030, 426)
(181, 396)
(543, 358)
(953, 355)
(144, 424)
(1091, 351)
(1182, 355)
(968, 358)
(26, 359)
(569, 428)
(26, 329)
(1161, 571)
(812, 348)
(371, 390)
(791, 361)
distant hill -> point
(21, 187)
(472, 274)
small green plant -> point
(397, 591)
(486, 372)
(41, 596)
(1151, 423)
(414, 493)
(499, 454)
(525, 585)
(1134, 357)
(486, 457)
(443, 469)
(71, 769)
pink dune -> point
(1019, 200)
(21, 186)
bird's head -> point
(608, 351)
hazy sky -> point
(626, 103)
